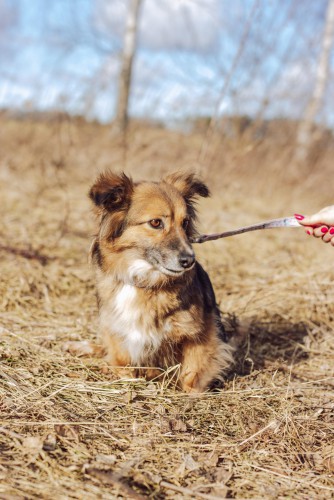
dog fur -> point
(157, 307)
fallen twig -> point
(293, 478)
(108, 477)
(273, 425)
(27, 254)
(187, 491)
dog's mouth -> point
(171, 272)
(168, 271)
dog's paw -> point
(82, 348)
(192, 384)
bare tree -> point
(304, 133)
(127, 63)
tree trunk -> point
(126, 65)
(304, 133)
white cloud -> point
(193, 25)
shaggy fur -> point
(157, 307)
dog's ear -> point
(188, 185)
(112, 192)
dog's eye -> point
(156, 223)
(185, 224)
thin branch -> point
(108, 477)
(27, 254)
(187, 491)
(304, 134)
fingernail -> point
(308, 232)
(331, 231)
(324, 229)
(299, 217)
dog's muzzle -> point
(186, 259)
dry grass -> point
(68, 429)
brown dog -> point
(157, 306)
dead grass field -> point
(68, 430)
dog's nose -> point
(186, 259)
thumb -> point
(311, 220)
(323, 217)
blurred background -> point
(193, 58)
(231, 89)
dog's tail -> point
(232, 330)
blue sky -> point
(195, 57)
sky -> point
(194, 57)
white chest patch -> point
(124, 317)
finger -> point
(328, 235)
(309, 230)
(319, 232)
(332, 242)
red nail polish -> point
(331, 231)
(324, 229)
(299, 217)
(308, 232)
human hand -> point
(319, 225)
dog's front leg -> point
(201, 365)
(117, 357)
(83, 348)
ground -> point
(68, 428)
